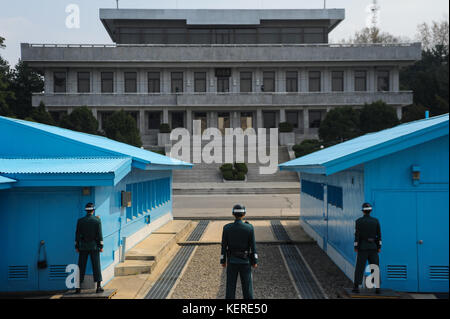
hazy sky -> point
(43, 21)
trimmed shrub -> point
(306, 147)
(164, 128)
(241, 167)
(286, 127)
(226, 167)
(228, 175)
(240, 176)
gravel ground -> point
(332, 279)
(204, 278)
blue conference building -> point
(48, 174)
(403, 172)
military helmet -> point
(366, 208)
(239, 210)
(89, 207)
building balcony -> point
(117, 55)
(221, 99)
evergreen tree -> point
(340, 124)
(41, 115)
(377, 116)
(82, 120)
(6, 93)
(121, 126)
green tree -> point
(40, 115)
(377, 116)
(6, 94)
(80, 119)
(339, 125)
(121, 126)
(413, 113)
(306, 147)
(24, 82)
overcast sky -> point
(43, 21)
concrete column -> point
(282, 115)
(165, 118)
(372, 77)
(399, 112)
(142, 85)
(326, 81)
(71, 81)
(142, 122)
(212, 81)
(395, 80)
(259, 118)
(349, 83)
(119, 81)
(303, 85)
(189, 80)
(48, 81)
(306, 121)
(258, 80)
(96, 81)
(189, 120)
(94, 113)
(165, 78)
(235, 81)
(280, 77)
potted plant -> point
(287, 135)
(164, 134)
(234, 173)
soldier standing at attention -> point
(239, 254)
(89, 242)
(367, 244)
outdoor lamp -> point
(415, 170)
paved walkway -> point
(219, 206)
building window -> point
(177, 82)
(315, 118)
(130, 82)
(84, 82)
(268, 81)
(269, 120)
(199, 81)
(107, 79)
(59, 82)
(154, 120)
(154, 85)
(246, 82)
(360, 81)
(246, 120)
(292, 118)
(383, 81)
(314, 81)
(337, 81)
(314, 35)
(223, 84)
(291, 81)
(177, 119)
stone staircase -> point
(144, 257)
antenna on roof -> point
(324, 4)
(375, 12)
(117, 2)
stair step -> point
(134, 267)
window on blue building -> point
(335, 196)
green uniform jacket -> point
(367, 233)
(89, 233)
(238, 237)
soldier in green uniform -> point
(367, 244)
(239, 254)
(89, 242)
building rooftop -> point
(142, 158)
(217, 17)
(370, 146)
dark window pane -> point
(360, 81)
(130, 82)
(292, 117)
(200, 36)
(177, 82)
(154, 120)
(337, 81)
(246, 82)
(154, 85)
(177, 119)
(383, 80)
(223, 84)
(315, 118)
(314, 81)
(59, 82)
(269, 81)
(107, 82)
(200, 81)
(291, 81)
(314, 35)
(84, 82)
(269, 119)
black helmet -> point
(89, 207)
(366, 208)
(239, 210)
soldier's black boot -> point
(377, 291)
(78, 290)
(99, 288)
(355, 289)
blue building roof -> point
(6, 182)
(370, 146)
(144, 159)
(62, 165)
